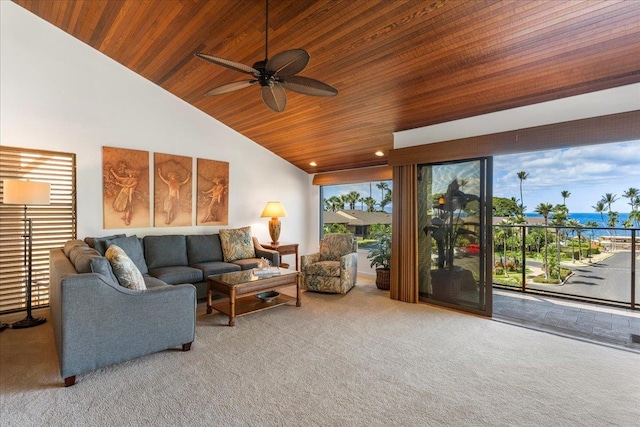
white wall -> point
(594, 104)
(56, 93)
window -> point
(53, 224)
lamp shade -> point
(18, 192)
(273, 210)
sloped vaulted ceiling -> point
(397, 64)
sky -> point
(587, 172)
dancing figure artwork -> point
(213, 192)
(172, 199)
(125, 187)
(124, 200)
(216, 193)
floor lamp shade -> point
(274, 210)
(16, 192)
(26, 192)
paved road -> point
(609, 279)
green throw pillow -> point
(237, 244)
(124, 269)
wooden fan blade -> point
(274, 97)
(230, 87)
(229, 64)
(308, 86)
(288, 63)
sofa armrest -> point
(100, 323)
(349, 261)
(348, 270)
(309, 259)
(262, 252)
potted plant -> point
(380, 257)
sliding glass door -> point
(454, 223)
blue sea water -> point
(585, 217)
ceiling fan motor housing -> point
(266, 77)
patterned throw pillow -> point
(125, 270)
(237, 244)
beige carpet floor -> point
(359, 359)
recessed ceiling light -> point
(313, 164)
(379, 153)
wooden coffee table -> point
(241, 288)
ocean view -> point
(583, 218)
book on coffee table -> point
(268, 271)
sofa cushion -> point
(132, 246)
(204, 248)
(72, 244)
(80, 257)
(152, 282)
(100, 243)
(248, 263)
(165, 251)
(125, 269)
(177, 274)
(215, 267)
(335, 245)
(101, 265)
(237, 243)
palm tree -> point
(361, 200)
(334, 203)
(577, 227)
(352, 198)
(382, 186)
(387, 199)
(609, 199)
(632, 194)
(544, 209)
(590, 224)
(370, 202)
(565, 195)
(522, 175)
(501, 237)
(560, 216)
(599, 208)
(635, 216)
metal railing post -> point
(524, 254)
(633, 269)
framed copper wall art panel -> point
(213, 193)
(125, 188)
(173, 195)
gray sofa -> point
(178, 258)
(97, 322)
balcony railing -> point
(586, 263)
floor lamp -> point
(25, 193)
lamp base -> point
(274, 230)
(28, 322)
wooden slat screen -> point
(53, 224)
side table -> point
(284, 249)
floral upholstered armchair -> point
(334, 268)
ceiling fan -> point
(273, 75)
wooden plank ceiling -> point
(397, 64)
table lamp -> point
(274, 210)
(25, 193)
